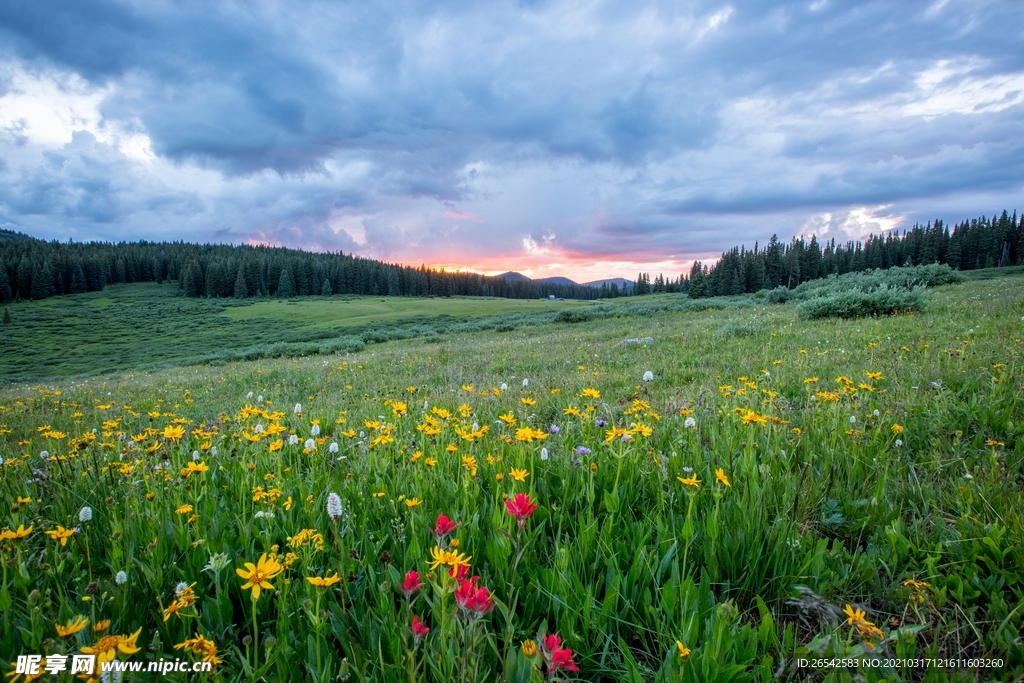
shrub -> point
(779, 295)
(855, 303)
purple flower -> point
(582, 450)
(626, 438)
(601, 422)
(554, 429)
(687, 469)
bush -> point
(856, 303)
(931, 275)
(779, 295)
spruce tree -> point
(241, 289)
(326, 289)
(6, 294)
(285, 286)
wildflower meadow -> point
(750, 496)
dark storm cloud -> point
(357, 126)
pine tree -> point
(78, 283)
(5, 286)
(326, 289)
(285, 286)
(241, 289)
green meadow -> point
(781, 499)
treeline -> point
(35, 269)
(978, 243)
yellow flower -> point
(810, 380)
(323, 582)
(72, 627)
(413, 502)
(897, 428)
(24, 500)
(529, 648)
(107, 647)
(183, 510)
(101, 626)
(194, 468)
(431, 461)
(528, 401)
(691, 481)
(590, 393)
(509, 419)
(61, 534)
(856, 616)
(721, 478)
(518, 475)
(469, 462)
(173, 432)
(20, 534)
(499, 476)
(684, 651)
(468, 388)
(874, 375)
(449, 558)
(199, 645)
(258, 576)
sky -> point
(579, 139)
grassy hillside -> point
(780, 490)
(145, 326)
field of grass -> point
(779, 490)
(145, 326)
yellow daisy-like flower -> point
(72, 627)
(897, 428)
(856, 616)
(684, 651)
(528, 401)
(518, 475)
(101, 626)
(194, 468)
(323, 581)
(691, 481)
(173, 432)
(183, 510)
(413, 502)
(590, 393)
(529, 648)
(19, 534)
(257, 576)
(60, 534)
(721, 478)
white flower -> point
(690, 422)
(213, 451)
(258, 429)
(1, 461)
(121, 578)
(476, 426)
(44, 455)
(543, 454)
(648, 376)
(333, 448)
(333, 505)
(310, 444)
(526, 383)
(504, 387)
(181, 588)
(875, 413)
(899, 442)
(293, 439)
(259, 399)
(298, 409)
(264, 514)
(315, 430)
(195, 456)
(853, 419)
(249, 395)
(362, 434)
(85, 514)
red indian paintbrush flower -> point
(555, 655)
(419, 631)
(521, 507)
(473, 598)
(444, 526)
(412, 583)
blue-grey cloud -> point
(607, 131)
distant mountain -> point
(623, 283)
(556, 281)
(512, 275)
